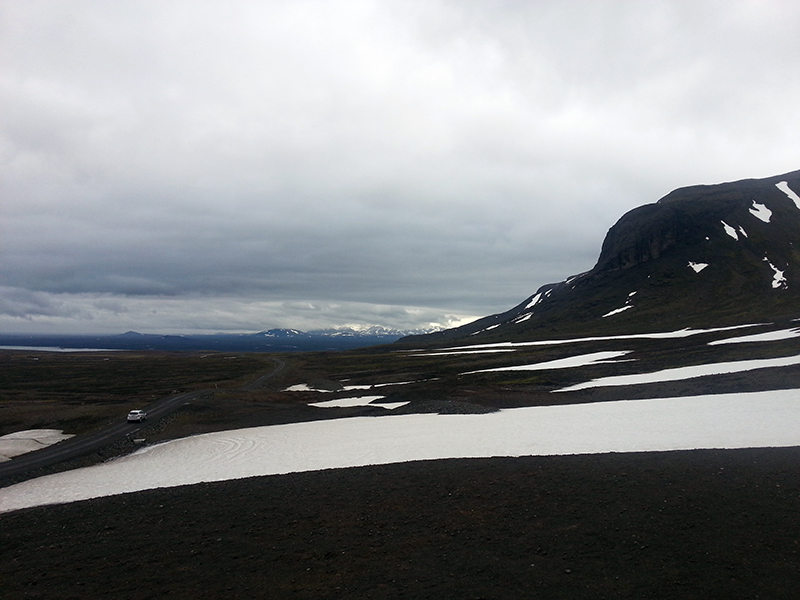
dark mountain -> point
(707, 255)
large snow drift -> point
(743, 420)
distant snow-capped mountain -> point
(280, 333)
(370, 331)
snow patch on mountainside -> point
(616, 311)
(581, 360)
(730, 231)
(760, 211)
(778, 279)
(623, 308)
(784, 187)
(697, 267)
(533, 301)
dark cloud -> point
(187, 163)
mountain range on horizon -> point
(271, 340)
(704, 255)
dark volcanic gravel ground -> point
(701, 524)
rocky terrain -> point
(700, 524)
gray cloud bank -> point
(193, 166)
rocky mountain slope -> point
(706, 255)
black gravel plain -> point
(701, 524)
(692, 524)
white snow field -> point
(760, 419)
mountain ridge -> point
(271, 340)
(702, 255)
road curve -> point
(90, 442)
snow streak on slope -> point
(769, 336)
(581, 360)
(358, 401)
(784, 187)
(686, 372)
(462, 352)
(730, 231)
(617, 310)
(682, 333)
(720, 421)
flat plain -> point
(688, 524)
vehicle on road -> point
(136, 416)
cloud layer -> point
(212, 165)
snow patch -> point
(581, 360)
(303, 387)
(730, 231)
(354, 401)
(617, 310)
(534, 301)
(623, 308)
(22, 442)
(681, 333)
(681, 373)
(697, 267)
(760, 211)
(784, 187)
(769, 336)
(778, 279)
(743, 420)
(487, 329)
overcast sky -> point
(189, 166)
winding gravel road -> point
(83, 444)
